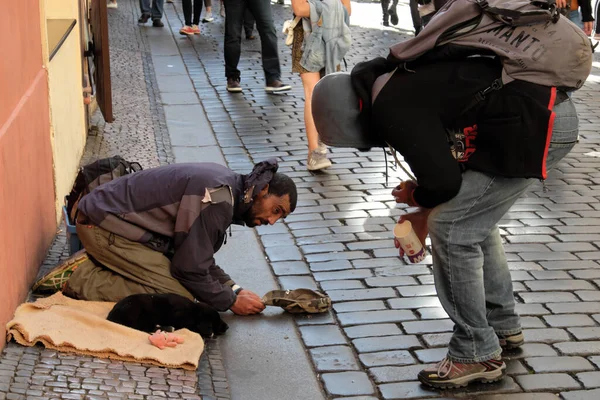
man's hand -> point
(403, 193)
(561, 3)
(418, 219)
(587, 27)
(247, 303)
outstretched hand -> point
(403, 193)
(418, 219)
(247, 303)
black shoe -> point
(385, 22)
(144, 18)
(276, 87)
(157, 23)
(233, 85)
(393, 16)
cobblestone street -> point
(386, 324)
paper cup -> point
(409, 242)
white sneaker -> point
(317, 161)
(208, 17)
(112, 5)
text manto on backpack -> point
(547, 49)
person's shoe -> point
(513, 341)
(208, 17)
(317, 161)
(222, 11)
(112, 5)
(144, 18)
(186, 30)
(156, 22)
(393, 16)
(448, 374)
(169, 1)
(54, 280)
(386, 23)
(276, 87)
(233, 85)
(195, 29)
(250, 37)
(322, 148)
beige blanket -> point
(76, 326)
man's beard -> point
(249, 217)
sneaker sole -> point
(483, 377)
(234, 90)
(319, 167)
(278, 90)
(186, 34)
(207, 20)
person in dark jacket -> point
(471, 162)
(156, 231)
(472, 157)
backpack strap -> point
(547, 12)
(480, 96)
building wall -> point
(67, 112)
(27, 196)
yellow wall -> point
(67, 113)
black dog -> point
(149, 312)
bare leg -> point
(309, 80)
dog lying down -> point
(167, 312)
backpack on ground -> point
(95, 174)
(534, 41)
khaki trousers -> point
(127, 268)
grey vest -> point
(533, 46)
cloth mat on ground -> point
(75, 326)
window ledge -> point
(58, 31)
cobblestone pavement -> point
(387, 323)
(138, 133)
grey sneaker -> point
(322, 148)
(233, 85)
(208, 17)
(276, 86)
(317, 161)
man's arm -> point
(194, 265)
(194, 257)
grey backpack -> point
(535, 42)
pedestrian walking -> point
(208, 16)
(190, 26)
(152, 11)
(331, 23)
(234, 20)
(249, 24)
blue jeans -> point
(470, 270)
(234, 19)
(575, 17)
(157, 8)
